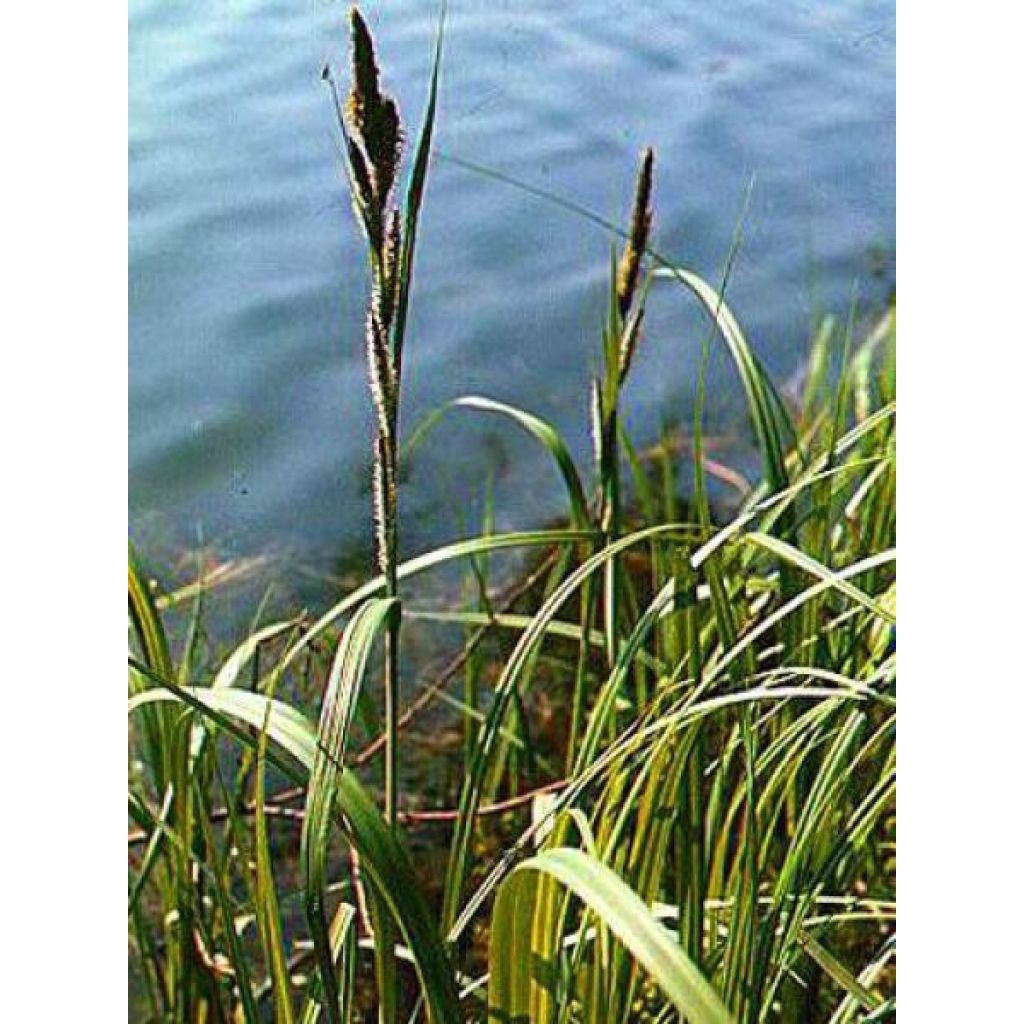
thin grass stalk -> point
(372, 130)
(692, 876)
(222, 891)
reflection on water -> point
(247, 403)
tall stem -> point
(391, 654)
(372, 132)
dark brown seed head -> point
(639, 233)
(384, 146)
(365, 74)
(372, 117)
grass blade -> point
(268, 913)
(626, 916)
(414, 200)
(383, 857)
(343, 686)
(552, 442)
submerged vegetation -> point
(676, 795)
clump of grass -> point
(704, 827)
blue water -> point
(247, 400)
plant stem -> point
(391, 652)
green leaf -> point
(432, 559)
(148, 627)
(543, 431)
(504, 692)
(343, 686)
(343, 953)
(414, 200)
(227, 674)
(383, 857)
(552, 442)
(810, 565)
(835, 969)
(771, 422)
(621, 910)
(268, 912)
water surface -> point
(247, 408)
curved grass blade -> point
(383, 857)
(155, 732)
(810, 565)
(543, 431)
(148, 626)
(268, 912)
(625, 915)
(625, 661)
(552, 442)
(745, 644)
(228, 673)
(504, 691)
(771, 422)
(429, 560)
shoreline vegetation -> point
(669, 751)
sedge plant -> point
(710, 832)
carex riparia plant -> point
(374, 144)
(706, 835)
(621, 335)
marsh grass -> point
(676, 784)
